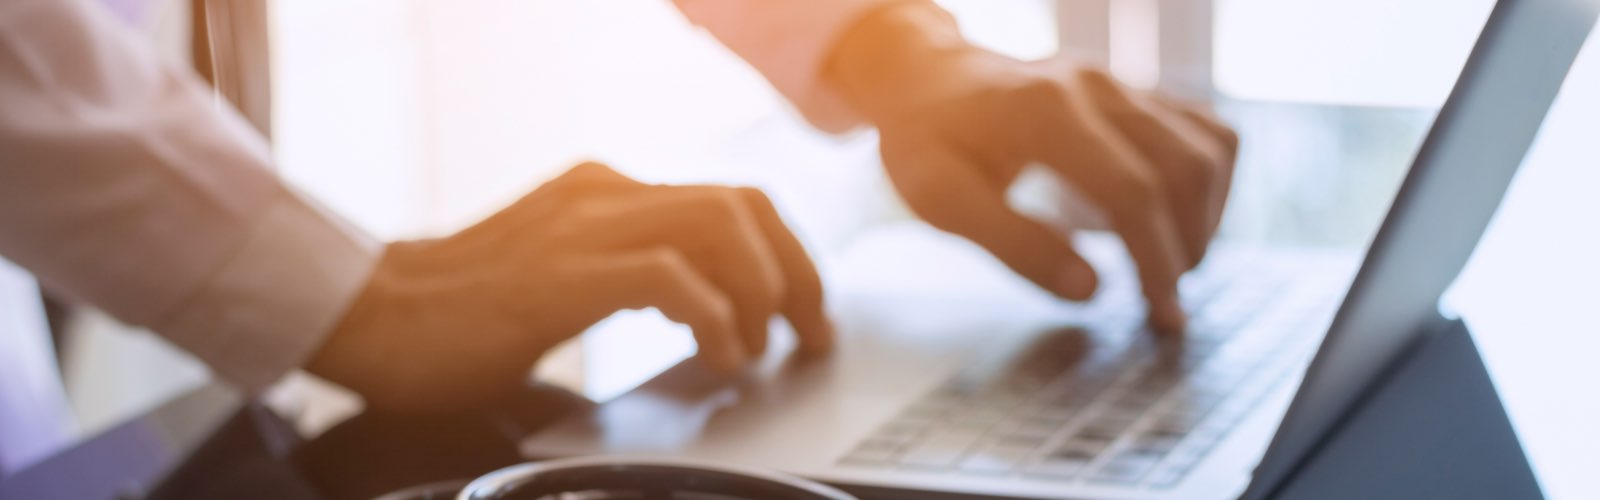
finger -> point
(713, 227)
(662, 278)
(1225, 139)
(945, 189)
(802, 302)
(1180, 151)
(1080, 146)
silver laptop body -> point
(948, 380)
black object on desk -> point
(209, 444)
(1434, 428)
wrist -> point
(364, 340)
(896, 57)
(346, 352)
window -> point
(1352, 52)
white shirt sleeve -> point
(125, 184)
(789, 41)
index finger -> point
(802, 299)
(1121, 182)
(950, 192)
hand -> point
(957, 124)
(459, 321)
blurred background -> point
(414, 118)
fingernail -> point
(1077, 281)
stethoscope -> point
(633, 478)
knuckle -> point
(582, 216)
(730, 200)
(753, 196)
(586, 210)
(1042, 90)
(587, 176)
(1194, 172)
(723, 206)
(579, 217)
(923, 191)
(670, 265)
(1049, 109)
(756, 203)
(771, 292)
(591, 167)
(1229, 138)
(1096, 80)
(1091, 75)
(713, 309)
(1137, 194)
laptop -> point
(973, 391)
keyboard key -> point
(930, 459)
(1187, 455)
(1152, 445)
(1049, 412)
(1123, 470)
(886, 443)
(978, 416)
(874, 451)
(1133, 404)
(869, 457)
(1081, 448)
(1212, 430)
(1174, 424)
(1215, 376)
(1167, 476)
(1068, 403)
(900, 429)
(1105, 427)
(1020, 438)
(1059, 468)
(999, 459)
(1195, 403)
(1034, 424)
(927, 411)
(939, 450)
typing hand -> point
(957, 124)
(459, 321)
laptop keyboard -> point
(1110, 405)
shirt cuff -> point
(789, 42)
(271, 304)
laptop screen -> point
(1453, 188)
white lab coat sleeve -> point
(124, 183)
